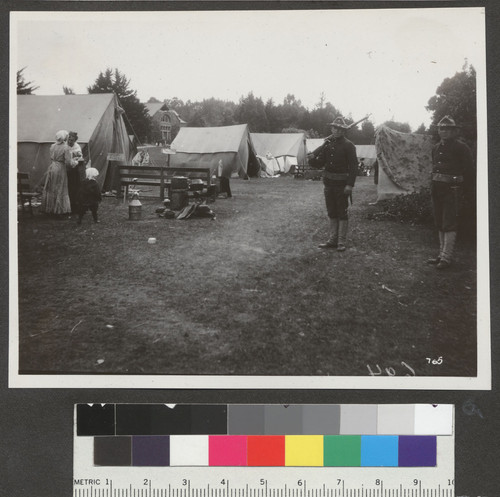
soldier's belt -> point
(335, 176)
(447, 178)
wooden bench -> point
(24, 191)
(307, 172)
(161, 176)
(300, 170)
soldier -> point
(452, 171)
(338, 158)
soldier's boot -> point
(343, 225)
(448, 249)
(437, 260)
(334, 235)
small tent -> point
(97, 118)
(206, 147)
(404, 162)
(313, 143)
(366, 152)
(278, 152)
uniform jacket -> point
(339, 156)
(453, 157)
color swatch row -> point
(274, 450)
(259, 419)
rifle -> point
(328, 138)
(350, 126)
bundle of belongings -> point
(196, 210)
(192, 210)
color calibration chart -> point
(236, 450)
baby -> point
(89, 195)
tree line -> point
(455, 96)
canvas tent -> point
(313, 143)
(366, 152)
(278, 152)
(205, 147)
(97, 118)
(404, 162)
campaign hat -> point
(339, 122)
(447, 122)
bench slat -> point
(160, 176)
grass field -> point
(248, 293)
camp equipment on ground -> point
(135, 208)
(179, 199)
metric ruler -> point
(336, 484)
(112, 460)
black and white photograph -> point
(249, 199)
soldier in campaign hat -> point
(338, 158)
(452, 171)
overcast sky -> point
(385, 62)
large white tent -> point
(207, 147)
(97, 118)
(278, 152)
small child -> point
(89, 195)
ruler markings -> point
(344, 489)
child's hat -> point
(91, 173)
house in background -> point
(166, 123)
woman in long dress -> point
(55, 199)
(74, 175)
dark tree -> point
(456, 97)
(397, 126)
(292, 113)
(363, 133)
(421, 130)
(68, 91)
(251, 111)
(273, 118)
(153, 100)
(137, 118)
(24, 87)
(320, 117)
(217, 112)
(175, 104)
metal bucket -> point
(179, 199)
(180, 183)
(134, 209)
